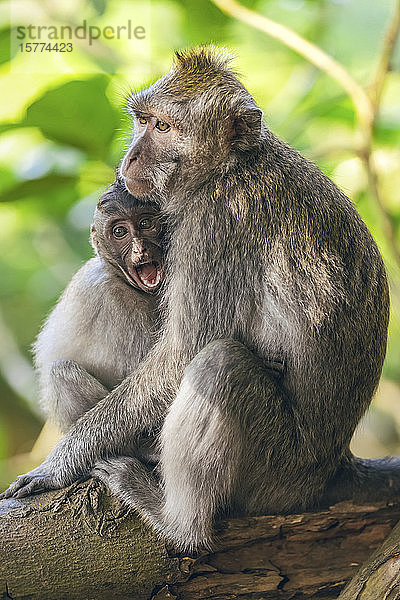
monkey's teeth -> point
(149, 274)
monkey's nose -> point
(138, 251)
(130, 157)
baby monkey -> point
(106, 320)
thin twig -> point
(384, 65)
(366, 152)
(388, 225)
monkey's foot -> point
(137, 487)
(134, 484)
(128, 478)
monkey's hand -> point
(38, 480)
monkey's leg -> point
(200, 447)
(205, 452)
(72, 391)
(212, 441)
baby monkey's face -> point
(131, 239)
(136, 244)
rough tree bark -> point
(379, 577)
(81, 543)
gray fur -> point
(97, 305)
(100, 329)
(269, 263)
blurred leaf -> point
(5, 46)
(337, 107)
(105, 58)
(202, 13)
(7, 179)
(387, 136)
(5, 127)
(38, 187)
(19, 426)
(99, 6)
(77, 113)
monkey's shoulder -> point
(99, 322)
(98, 302)
(99, 285)
(91, 277)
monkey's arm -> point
(111, 427)
(65, 346)
(73, 391)
(97, 333)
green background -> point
(62, 134)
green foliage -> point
(5, 46)
(38, 188)
(88, 119)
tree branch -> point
(379, 577)
(366, 152)
(384, 65)
(81, 543)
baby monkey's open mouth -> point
(149, 275)
(146, 276)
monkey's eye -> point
(146, 224)
(162, 126)
(119, 231)
(142, 120)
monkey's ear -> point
(247, 127)
(93, 238)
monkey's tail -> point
(364, 480)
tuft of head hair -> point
(115, 191)
(197, 70)
(203, 59)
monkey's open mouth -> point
(149, 275)
(146, 277)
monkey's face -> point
(171, 139)
(132, 241)
(153, 156)
(196, 120)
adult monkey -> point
(268, 261)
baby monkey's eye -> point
(146, 224)
(142, 120)
(162, 126)
(119, 231)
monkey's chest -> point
(127, 338)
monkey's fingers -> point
(14, 487)
(276, 365)
(31, 487)
(103, 469)
(27, 484)
(99, 472)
